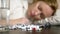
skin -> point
(39, 10)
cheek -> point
(48, 12)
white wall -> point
(3, 11)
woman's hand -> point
(19, 21)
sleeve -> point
(18, 8)
(25, 7)
(53, 20)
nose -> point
(35, 12)
(39, 12)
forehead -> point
(44, 5)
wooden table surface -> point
(52, 30)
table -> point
(52, 30)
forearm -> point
(54, 20)
(20, 21)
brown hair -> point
(52, 3)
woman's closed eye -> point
(39, 8)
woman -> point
(43, 12)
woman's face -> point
(40, 10)
(45, 10)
